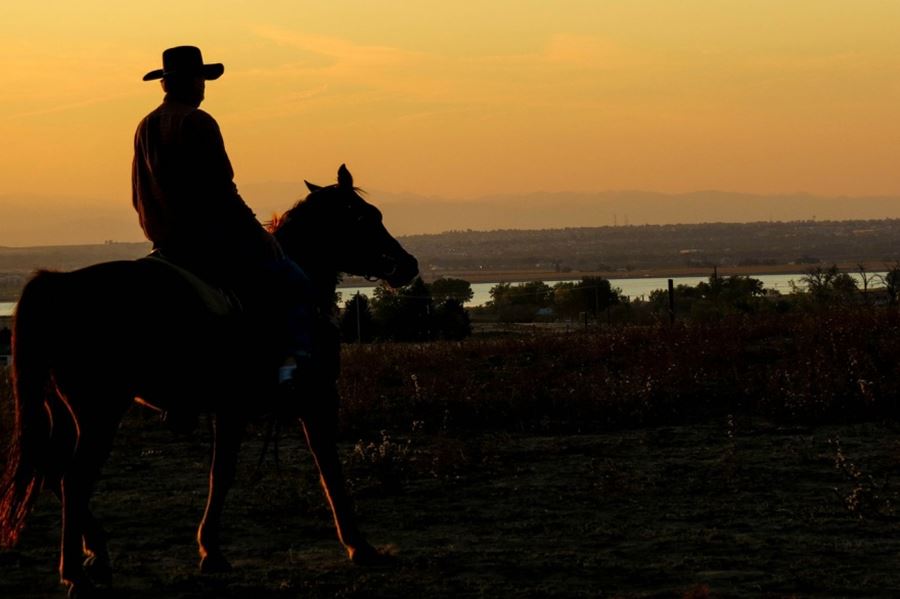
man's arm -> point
(215, 183)
(214, 176)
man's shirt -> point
(183, 188)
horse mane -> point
(278, 220)
(275, 222)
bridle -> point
(388, 272)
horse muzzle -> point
(398, 271)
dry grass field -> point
(755, 458)
(721, 509)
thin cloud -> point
(813, 63)
(343, 52)
(43, 80)
(577, 51)
(74, 105)
(438, 84)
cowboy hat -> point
(185, 60)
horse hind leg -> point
(94, 539)
(96, 563)
(76, 490)
(84, 558)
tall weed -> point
(840, 365)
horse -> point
(88, 344)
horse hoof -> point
(367, 555)
(80, 590)
(214, 564)
(98, 569)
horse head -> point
(334, 230)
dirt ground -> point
(723, 509)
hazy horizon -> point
(37, 221)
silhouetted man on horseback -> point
(189, 207)
(88, 343)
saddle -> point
(233, 323)
(218, 302)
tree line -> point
(820, 288)
(424, 312)
(416, 312)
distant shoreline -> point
(512, 276)
(515, 276)
(652, 275)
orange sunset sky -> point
(459, 99)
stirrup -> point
(286, 371)
(295, 364)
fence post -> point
(671, 302)
(358, 323)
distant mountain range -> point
(37, 220)
(410, 215)
(753, 247)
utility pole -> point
(358, 320)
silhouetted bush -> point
(357, 324)
(451, 321)
(521, 302)
(827, 287)
(715, 299)
(591, 295)
(412, 314)
(448, 288)
(403, 314)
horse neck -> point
(324, 285)
(323, 278)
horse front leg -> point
(320, 428)
(227, 433)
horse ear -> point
(345, 179)
(311, 186)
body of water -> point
(633, 288)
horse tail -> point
(31, 380)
